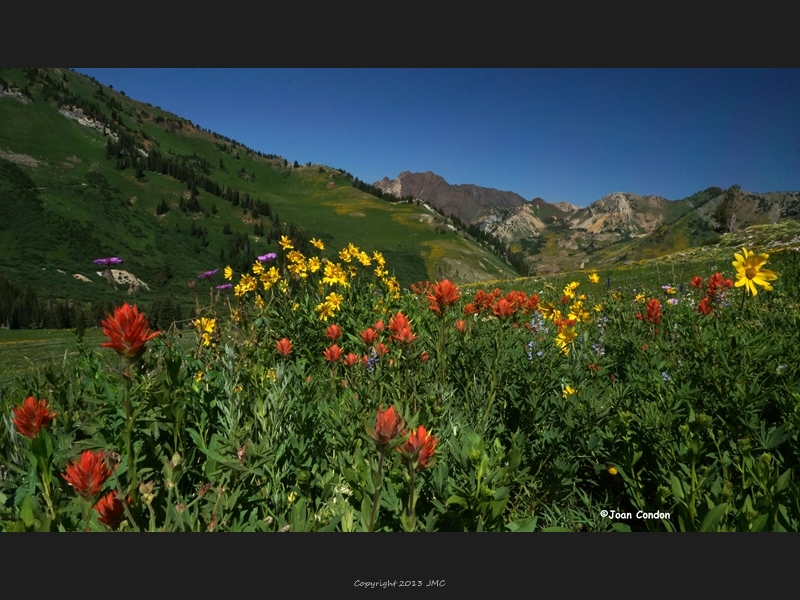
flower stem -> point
(412, 485)
(441, 358)
(377, 496)
(493, 385)
(133, 484)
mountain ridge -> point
(555, 236)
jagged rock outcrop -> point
(467, 202)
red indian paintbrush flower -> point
(461, 326)
(470, 309)
(424, 356)
(502, 308)
(379, 325)
(110, 508)
(88, 474)
(516, 298)
(532, 303)
(388, 425)
(405, 336)
(398, 322)
(333, 332)
(381, 349)
(368, 336)
(717, 284)
(697, 281)
(704, 307)
(128, 331)
(419, 447)
(284, 347)
(333, 353)
(444, 294)
(653, 311)
(351, 360)
(32, 416)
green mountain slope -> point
(86, 172)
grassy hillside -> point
(173, 200)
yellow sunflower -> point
(749, 271)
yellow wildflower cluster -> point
(594, 277)
(568, 391)
(569, 290)
(270, 278)
(349, 253)
(334, 273)
(564, 339)
(246, 284)
(549, 311)
(205, 328)
(297, 264)
(317, 244)
(327, 309)
(578, 313)
(380, 270)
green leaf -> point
(557, 530)
(456, 500)
(713, 517)
(214, 455)
(758, 524)
(523, 525)
(783, 480)
(776, 437)
(514, 457)
(621, 527)
(366, 509)
(677, 488)
(26, 511)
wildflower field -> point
(320, 396)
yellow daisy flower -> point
(564, 339)
(749, 271)
(317, 244)
(335, 300)
(594, 277)
(325, 311)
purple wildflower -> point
(208, 274)
(113, 260)
(225, 286)
(267, 257)
(673, 301)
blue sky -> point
(559, 134)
